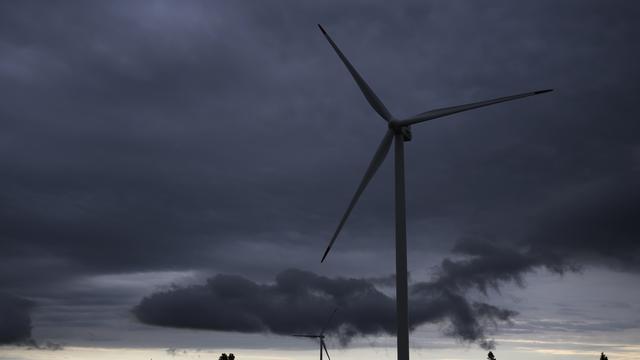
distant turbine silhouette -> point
(400, 131)
(320, 336)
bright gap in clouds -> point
(512, 349)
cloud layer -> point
(214, 137)
(301, 302)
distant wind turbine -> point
(320, 336)
(400, 131)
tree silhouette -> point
(603, 356)
(491, 357)
(224, 356)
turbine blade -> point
(429, 115)
(328, 321)
(378, 158)
(371, 97)
(322, 344)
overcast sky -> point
(170, 166)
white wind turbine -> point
(320, 336)
(400, 131)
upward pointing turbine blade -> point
(322, 345)
(430, 115)
(378, 158)
(372, 98)
(324, 328)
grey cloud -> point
(595, 223)
(591, 225)
(300, 302)
(486, 266)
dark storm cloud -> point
(596, 223)
(148, 134)
(301, 302)
(593, 225)
(15, 319)
(144, 137)
(227, 137)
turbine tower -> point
(398, 130)
(320, 336)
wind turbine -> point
(320, 336)
(400, 131)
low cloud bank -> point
(300, 301)
(595, 225)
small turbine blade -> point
(378, 158)
(328, 321)
(322, 344)
(430, 115)
(371, 97)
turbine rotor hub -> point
(404, 130)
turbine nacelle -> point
(398, 128)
